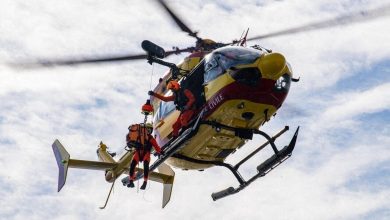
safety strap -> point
(139, 133)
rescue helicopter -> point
(238, 89)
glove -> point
(151, 93)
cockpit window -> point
(224, 58)
(212, 67)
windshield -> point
(224, 58)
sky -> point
(340, 168)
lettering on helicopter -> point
(214, 102)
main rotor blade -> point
(81, 61)
(179, 51)
(360, 16)
(178, 21)
(73, 62)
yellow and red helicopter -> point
(238, 88)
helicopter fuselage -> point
(242, 94)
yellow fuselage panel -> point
(231, 113)
(186, 165)
(189, 63)
(164, 126)
(214, 86)
(209, 145)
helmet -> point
(174, 85)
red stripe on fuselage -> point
(262, 93)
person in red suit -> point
(184, 101)
(142, 154)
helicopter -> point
(238, 89)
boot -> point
(143, 185)
(131, 184)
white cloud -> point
(359, 102)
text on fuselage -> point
(215, 101)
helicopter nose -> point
(271, 65)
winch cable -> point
(151, 77)
(138, 179)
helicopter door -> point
(167, 114)
(194, 82)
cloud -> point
(364, 102)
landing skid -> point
(264, 168)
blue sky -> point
(339, 170)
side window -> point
(212, 68)
(166, 108)
(163, 110)
(157, 115)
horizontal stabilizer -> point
(91, 165)
(64, 162)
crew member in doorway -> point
(184, 101)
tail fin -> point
(168, 184)
(62, 157)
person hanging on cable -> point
(140, 138)
(184, 101)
